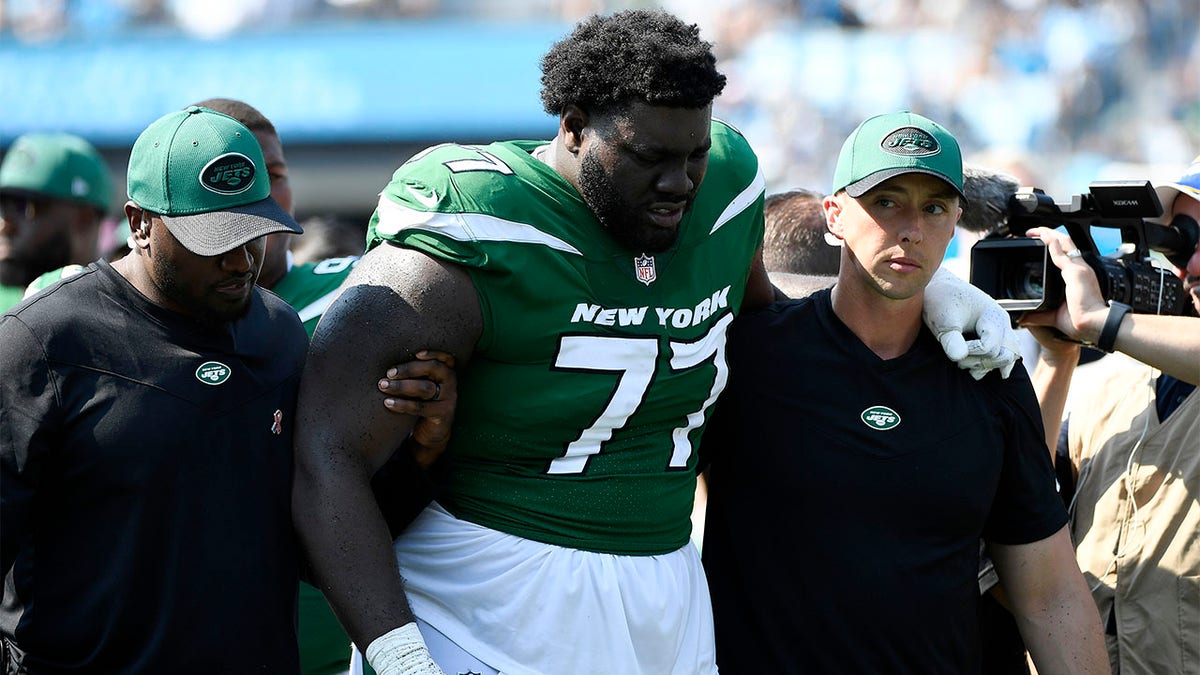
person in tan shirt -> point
(1133, 443)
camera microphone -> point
(987, 192)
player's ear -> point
(571, 124)
(833, 216)
(139, 224)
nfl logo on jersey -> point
(644, 266)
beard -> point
(208, 314)
(616, 215)
(15, 273)
(51, 254)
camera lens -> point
(1029, 282)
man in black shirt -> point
(146, 409)
(855, 468)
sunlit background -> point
(1058, 92)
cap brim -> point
(865, 185)
(217, 232)
(1167, 193)
(30, 193)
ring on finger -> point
(1075, 253)
(437, 391)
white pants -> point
(520, 606)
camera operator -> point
(1130, 452)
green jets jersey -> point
(579, 416)
(311, 287)
(10, 296)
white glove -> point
(953, 307)
(401, 651)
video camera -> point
(1017, 270)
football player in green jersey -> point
(585, 285)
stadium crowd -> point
(1079, 85)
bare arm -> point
(1168, 343)
(1052, 380)
(1054, 610)
(395, 303)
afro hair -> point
(609, 62)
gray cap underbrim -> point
(863, 186)
(217, 232)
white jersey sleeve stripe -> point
(741, 202)
(395, 217)
(317, 307)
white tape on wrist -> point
(401, 651)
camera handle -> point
(1081, 236)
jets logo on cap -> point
(229, 174)
(213, 372)
(880, 418)
(910, 142)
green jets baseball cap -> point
(58, 166)
(886, 146)
(203, 173)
